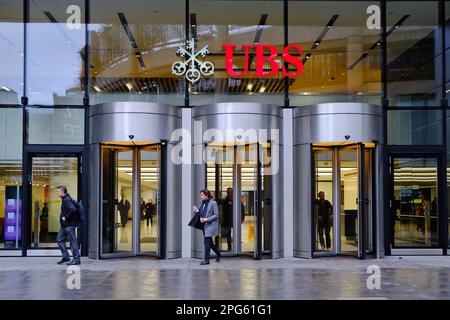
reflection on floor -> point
(348, 244)
(148, 236)
(230, 279)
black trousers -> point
(228, 228)
(209, 244)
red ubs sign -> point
(262, 60)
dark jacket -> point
(150, 209)
(227, 212)
(69, 212)
(324, 212)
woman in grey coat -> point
(209, 215)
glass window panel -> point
(341, 55)
(133, 46)
(150, 193)
(55, 126)
(11, 52)
(323, 199)
(414, 127)
(415, 202)
(10, 177)
(55, 56)
(413, 53)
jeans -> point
(209, 244)
(60, 238)
(325, 228)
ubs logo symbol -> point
(192, 67)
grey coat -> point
(212, 213)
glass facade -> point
(12, 53)
(132, 49)
(414, 54)
(66, 57)
(341, 55)
(55, 63)
(258, 22)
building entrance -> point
(342, 199)
(131, 211)
(239, 177)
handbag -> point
(195, 222)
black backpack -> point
(80, 209)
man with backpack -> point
(69, 219)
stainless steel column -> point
(379, 198)
(302, 201)
(173, 205)
(277, 202)
(95, 201)
(198, 183)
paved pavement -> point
(231, 279)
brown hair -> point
(63, 188)
(206, 192)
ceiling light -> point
(262, 89)
(97, 89)
(6, 88)
(250, 86)
(129, 86)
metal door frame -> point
(27, 214)
(441, 247)
(236, 185)
(158, 201)
(135, 208)
(362, 199)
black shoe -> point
(218, 258)
(73, 263)
(63, 260)
(204, 262)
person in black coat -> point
(124, 207)
(150, 210)
(69, 219)
(324, 219)
(227, 216)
